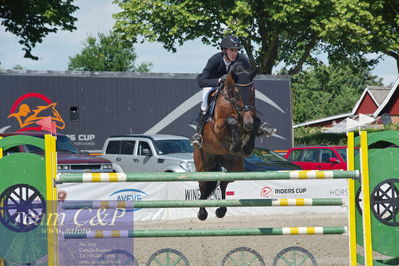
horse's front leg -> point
(206, 189)
(200, 166)
(221, 211)
(232, 164)
(202, 213)
(235, 135)
(249, 146)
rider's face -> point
(231, 53)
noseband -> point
(233, 99)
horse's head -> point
(241, 92)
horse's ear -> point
(234, 76)
(253, 74)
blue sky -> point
(96, 16)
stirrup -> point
(196, 141)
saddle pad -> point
(211, 108)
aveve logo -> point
(32, 107)
(128, 195)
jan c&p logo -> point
(32, 107)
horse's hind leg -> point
(200, 160)
(206, 189)
(221, 211)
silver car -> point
(149, 153)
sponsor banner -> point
(190, 191)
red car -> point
(318, 158)
(69, 158)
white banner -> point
(189, 191)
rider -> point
(214, 74)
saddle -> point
(210, 110)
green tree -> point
(285, 32)
(385, 36)
(32, 20)
(323, 91)
(364, 26)
(18, 67)
(107, 53)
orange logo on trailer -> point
(27, 114)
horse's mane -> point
(240, 74)
(239, 68)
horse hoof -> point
(247, 150)
(221, 212)
(202, 215)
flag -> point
(351, 124)
(47, 125)
(365, 119)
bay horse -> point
(229, 135)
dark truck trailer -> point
(90, 106)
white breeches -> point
(205, 93)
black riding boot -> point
(249, 146)
(259, 129)
(196, 140)
(265, 130)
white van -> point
(149, 153)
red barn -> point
(382, 103)
(388, 111)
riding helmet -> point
(231, 42)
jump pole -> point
(209, 232)
(351, 200)
(51, 195)
(204, 176)
(1, 156)
(365, 186)
(202, 203)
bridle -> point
(233, 98)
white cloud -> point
(53, 52)
(387, 70)
(189, 58)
